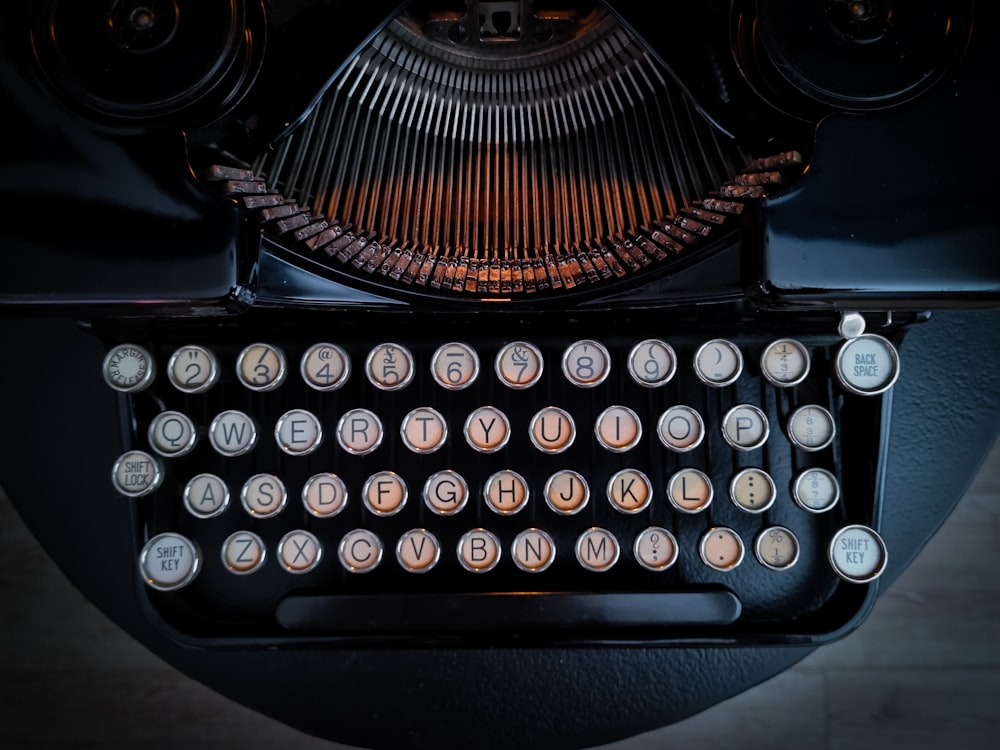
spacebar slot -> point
(491, 611)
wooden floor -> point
(922, 672)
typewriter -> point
(477, 324)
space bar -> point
(490, 611)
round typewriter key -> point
(785, 362)
(169, 561)
(690, 490)
(384, 493)
(193, 369)
(629, 491)
(816, 490)
(172, 434)
(418, 550)
(455, 366)
(506, 492)
(618, 428)
(299, 551)
(325, 367)
(681, 428)
(519, 365)
(586, 363)
(721, 548)
(359, 432)
(360, 551)
(324, 495)
(811, 428)
(128, 368)
(487, 429)
(552, 430)
(261, 367)
(298, 432)
(533, 550)
(655, 548)
(424, 430)
(597, 549)
(263, 495)
(777, 548)
(206, 496)
(389, 367)
(745, 427)
(858, 554)
(566, 492)
(867, 365)
(136, 473)
(652, 363)
(446, 492)
(752, 490)
(232, 433)
(243, 552)
(479, 550)
(718, 363)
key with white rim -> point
(136, 473)
(479, 550)
(261, 367)
(655, 548)
(816, 490)
(172, 434)
(745, 427)
(324, 495)
(777, 548)
(455, 366)
(652, 363)
(721, 548)
(718, 363)
(586, 363)
(867, 364)
(785, 362)
(263, 495)
(193, 369)
(681, 428)
(519, 365)
(232, 433)
(169, 561)
(418, 550)
(597, 549)
(360, 551)
(243, 552)
(298, 432)
(445, 492)
(128, 368)
(389, 367)
(206, 496)
(811, 427)
(858, 554)
(325, 366)
(533, 550)
(299, 551)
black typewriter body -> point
(458, 334)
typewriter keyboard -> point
(289, 485)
